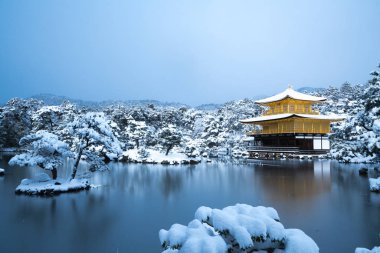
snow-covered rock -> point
(42, 184)
(154, 156)
(374, 184)
(2, 172)
(239, 228)
(364, 250)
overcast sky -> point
(194, 51)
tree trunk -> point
(75, 168)
(169, 148)
(54, 173)
(137, 143)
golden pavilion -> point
(290, 125)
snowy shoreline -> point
(151, 156)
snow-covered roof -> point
(290, 93)
(290, 115)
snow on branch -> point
(44, 149)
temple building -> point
(290, 125)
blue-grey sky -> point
(194, 51)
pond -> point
(329, 201)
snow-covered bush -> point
(169, 137)
(195, 237)
(239, 228)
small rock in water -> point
(194, 161)
(363, 172)
(2, 172)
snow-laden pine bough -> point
(239, 228)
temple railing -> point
(273, 149)
(292, 150)
(299, 111)
(295, 131)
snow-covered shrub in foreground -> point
(363, 250)
(196, 237)
(374, 184)
(42, 184)
(239, 228)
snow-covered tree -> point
(372, 94)
(169, 137)
(94, 140)
(357, 139)
(16, 120)
(54, 118)
(136, 132)
(45, 150)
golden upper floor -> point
(289, 105)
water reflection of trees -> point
(142, 179)
(74, 216)
(171, 182)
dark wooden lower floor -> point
(289, 144)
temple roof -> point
(290, 93)
(291, 115)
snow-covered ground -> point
(42, 184)
(239, 228)
(364, 250)
(154, 156)
(374, 184)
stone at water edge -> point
(363, 172)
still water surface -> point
(327, 200)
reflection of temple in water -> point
(294, 179)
